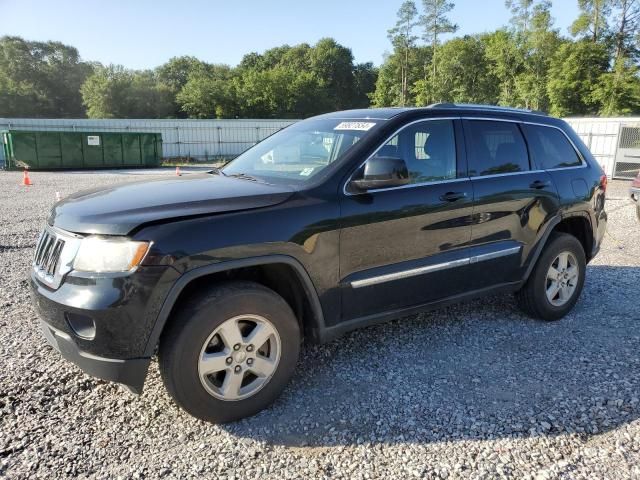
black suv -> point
(334, 223)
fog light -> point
(83, 326)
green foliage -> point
(208, 93)
(463, 73)
(403, 40)
(40, 79)
(435, 22)
(526, 64)
(114, 92)
(618, 92)
(575, 71)
(592, 23)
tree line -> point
(528, 64)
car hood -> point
(119, 209)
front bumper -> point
(120, 312)
(130, 372)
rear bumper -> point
(131, 372)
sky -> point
(146, 33)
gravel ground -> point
(473, 391)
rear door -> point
(513, 199)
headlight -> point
(99, 254)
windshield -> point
(301, 151)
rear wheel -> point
(230, 352)
(555, 284)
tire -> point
(533, 299)
(638, 212)
(235, 311)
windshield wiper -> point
(216, 171)
(244, 176)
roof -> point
(459, 108)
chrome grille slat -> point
(44, 238)
(46, 253)
(54, 255)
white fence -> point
(199, 139)
(601, 136)
(210, 139)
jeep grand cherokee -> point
(334, 223)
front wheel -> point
(555, 284)
(230, 352)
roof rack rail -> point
(496, 108)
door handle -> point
(453, 196)
(540, 184)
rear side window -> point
(495, 147)
(550, 148)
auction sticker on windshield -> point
(362, 126)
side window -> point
(550, 148)
(496, 147)
(428, 147)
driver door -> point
(399, 246)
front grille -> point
(48, 254)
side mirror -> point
(383, 172)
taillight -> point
(604, 181)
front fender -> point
(191, 275)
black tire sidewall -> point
(181, 355)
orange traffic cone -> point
(178, 172)
(26, 181)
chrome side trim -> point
(409, 273)
(500, 175)
(493, 255)
(414, 272)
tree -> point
(536, 42)
(521, 13)
(463, 73)
(40, 79)
(388, 91)
(504, 62)
(619, 90)
(332, 65)
(436, 22)
(593, 19)
(627, 29)
(115, 92)
(174, 75)
(209, 93)
(403, 41)
(365, 76)
(575, 72)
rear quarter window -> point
(550, 148)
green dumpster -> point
(48, 150)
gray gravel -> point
(473, 391)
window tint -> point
(550, 148)
(496, 147)
(428, 148)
